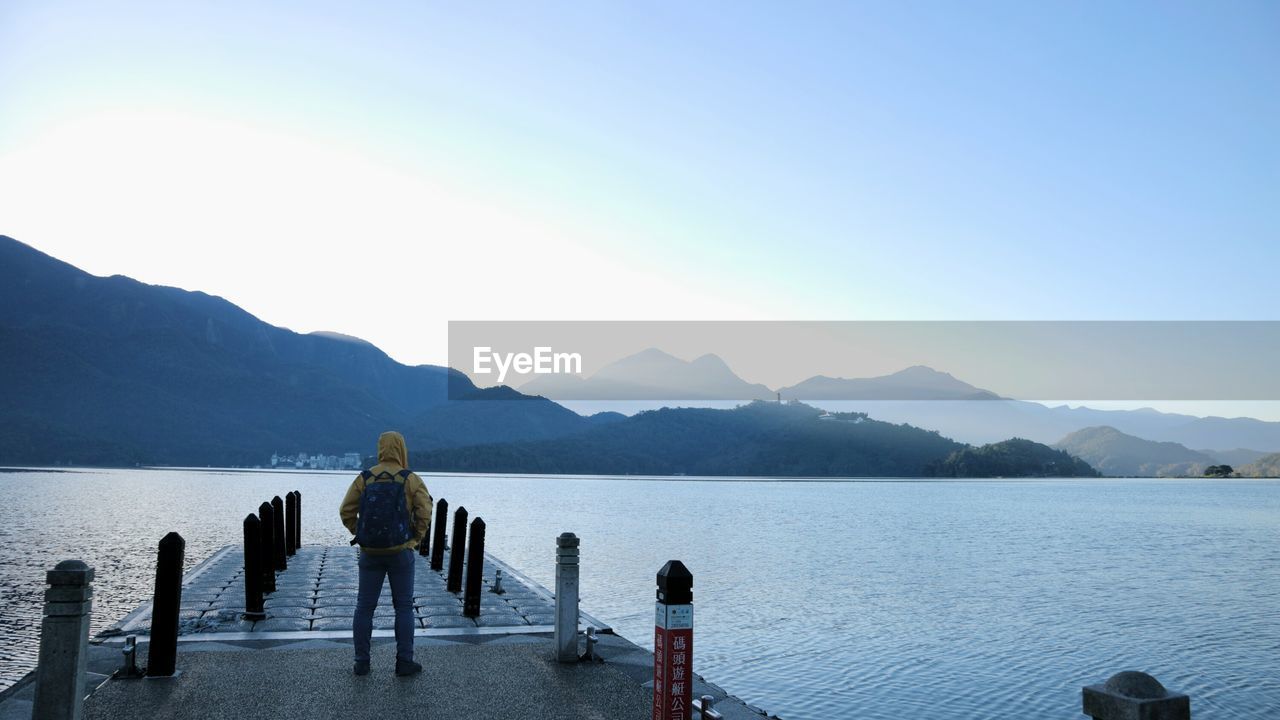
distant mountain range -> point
(914, 383)
(1115, 453)
(111, 371)
(917, 395)
(651, 375)
(116, 372)
(760, 439)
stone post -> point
(297, 518)
(457, 550)
(266, 517)
(64, 642)
(278, 549)
(290, 524)
(163, 653)
(1132, 695)
(475, 569)
(253, 568)
(566, 633)
(440, 521)
(424, 547)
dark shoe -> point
(361, 668)
(404, 668)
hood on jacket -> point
(391, 449)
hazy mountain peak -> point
(711, 360)
(651, 354)
(1116, 453)
(921, 371)
(652, 374)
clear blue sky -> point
(905, 160)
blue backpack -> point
(384, 520)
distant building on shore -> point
(319, 461)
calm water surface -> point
(814, 599)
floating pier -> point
(295, 661)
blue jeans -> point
(398, 567)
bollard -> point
(163, 652)
(497, 588)
(129, 669)
(278, 554)
(706, 708)
(442, 518)
(424, 547)
(590, 654)
(1132, 694)
(290, 524)
(566, 633)
(253, 568)
(475, 569)
(456, 551)
(297, 519)
(64, 642)
(673, 643)
(266, 518)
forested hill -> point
(112, 371)
(762, 439)
(1011, 458)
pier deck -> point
(317, 595)
(297, 662)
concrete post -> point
(475, 569)
(64, 642)
(1132, 695)
(253, 568)
(457, 551)
(440, 521)
(566, 634)
(278, 549)
(424, 547)
(163, 652)
(266, 518)
(290, 523)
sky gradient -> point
(381, 170)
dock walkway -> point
(296, 663)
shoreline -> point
(660, 478)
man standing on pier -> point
(388, 509)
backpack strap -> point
(368, 475)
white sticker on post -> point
(679, 617)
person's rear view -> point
(388, 509)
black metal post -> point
(162, 657)
(441, 522)
(279, 555)
(253, 568)
(457, 550)
(290, 523)
(297, 518)
(475, 569)
(266, 518)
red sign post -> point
(673, 644)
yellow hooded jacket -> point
(393, 457)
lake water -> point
(859, 599)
